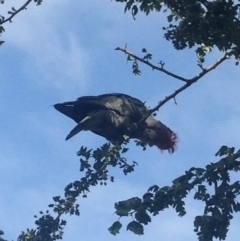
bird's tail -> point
(79, 127)
(67, 109)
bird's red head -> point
(161, 136)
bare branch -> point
(188, 82)
(191, 81)
(124, 50)
(15, 13)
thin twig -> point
(191, 81)
(124, 50)
(15, 13)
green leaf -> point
(84, 152)
(128, 169)
(134, 11)
(135, 68)
(2, 29)
(236, 206)
(56, 198)
(147, 57)
(142, 217)
(224, 150)
(114, 229)
(153, 188)
(124, 150)
(129, 58)
(135, 227)
(170, 18)
(124, 207)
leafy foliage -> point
(135, 66)
(94, 164)
(135, 227)
(205, 24)
(114, 229)
(219, 205)
(1, 233)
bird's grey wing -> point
(92, 121)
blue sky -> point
(62, 50)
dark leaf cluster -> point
(2, 233)
(38, 2)
(220, 204)
(205, 23)
(94, 164)
(135, 67)
(48, 229)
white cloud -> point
(61, 67)
(59, 61)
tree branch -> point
(191, 81)
(188, 82)
(15, 12)
(161, 69)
